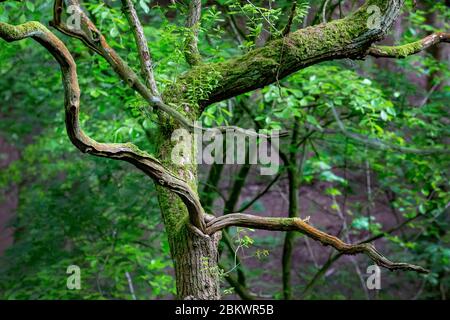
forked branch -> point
(92, 38)
(297, 224)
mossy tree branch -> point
(333, 258)
(294, 175)
(297, 224)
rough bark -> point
(302, 226)
(349, 37)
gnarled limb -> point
(406, 50)
(121, 151)
(191, 52)
(142, 46)
(297, 224)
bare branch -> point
(120, 151)
(191, 52)
(406, 50)
(245, 132)
(333, 258)
(260, 194)
(141, 42)
(297, 224)
(324, 11)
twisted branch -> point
(120, 151)
(406, 50)
(297, 224)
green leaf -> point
(30, 6)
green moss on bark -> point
(11, 33)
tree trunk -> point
(194, 254)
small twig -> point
(378, 143)
(260, 194)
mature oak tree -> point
(193, 233)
